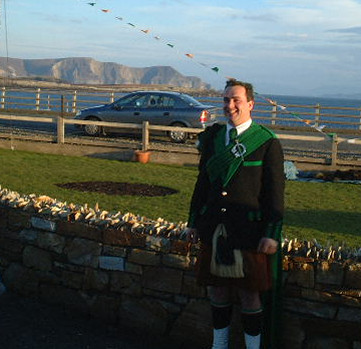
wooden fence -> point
(146, 129)
(335, 118)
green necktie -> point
(232, 135)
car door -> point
(163, 111)
(128, 109)
(150, 109)
(154, 107)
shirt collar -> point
(240, 128)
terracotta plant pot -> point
(142, 156)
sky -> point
(291, 47)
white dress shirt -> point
(240, 128)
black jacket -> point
(251, 205)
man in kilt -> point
(236, 212)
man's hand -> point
(267, 246)
(192, 235)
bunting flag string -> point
(284, 109)
(158, 38)
(216, 70)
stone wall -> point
(146, 282)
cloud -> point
(261, 18)
(320, 13)
(284, 37)
(56, 18)
(221, 54)
(351, 30)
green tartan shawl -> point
(224, 163)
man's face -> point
(235, 105)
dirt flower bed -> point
(119, 188)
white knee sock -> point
(252, 342)
(220, 338)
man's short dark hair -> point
(246, 85)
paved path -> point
(28, 324)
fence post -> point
(274, 114)
(37, 99)
(111, 98)
(317, 114)
(73, 109)
(145, 135)
(334, 150)
(60, 124)
(3, 97)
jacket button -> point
(223, 209)
(224, 193)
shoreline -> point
(57, 85)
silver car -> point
(157, 107)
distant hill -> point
(90, 71)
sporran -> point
(226, 261)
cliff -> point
(90, 71)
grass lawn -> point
(325, 211)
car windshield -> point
(190, 100)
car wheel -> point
(92, 130)
(178, 136)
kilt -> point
(256, 269)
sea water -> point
(296, 110)
(291, 110)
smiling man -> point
(236, 212)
